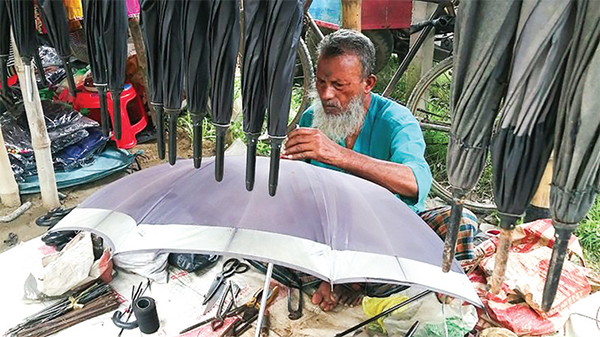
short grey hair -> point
(347, 41)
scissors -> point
(230, 267)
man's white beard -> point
(341, 126)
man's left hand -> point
(313, 144)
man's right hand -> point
(312, 144)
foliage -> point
(386, 74)
(588, 233)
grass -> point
(588, 233)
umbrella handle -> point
(501, 259)
(160, 129)
(220, 154)
(197, 146)
(40, 68)
(251, 160)
(173, 114)
(274, 166)
(116, 100)
(452, 234)
(70, 79)
(104, 119)
(559, 252)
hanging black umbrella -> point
(576, 177)
(54, 16)
(92, 20)
(253, 80)
(39, 66)
(284, 25)
(523, 142)
(4, 44)
(21, 14)
(224, 40)
(151, 30)
(172, 67)
(196, 18)
(481, 64)
(114, 30)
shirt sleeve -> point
(408, 148)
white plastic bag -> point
(152, 265)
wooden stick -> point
(39, 137)
(501, 259)
(351, 14)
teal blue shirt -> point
(391, 133)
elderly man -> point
(351, 129)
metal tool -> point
(248, 313)
(221, 314)
(230, 267)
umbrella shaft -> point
(197, 129)
(173, 136)
(251, 161)
(274, 167)
(263, 299)
(559, 251)
(104, 119)
(160, 130)
(220, 155)
(70, 79)
(452, 234)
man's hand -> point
(313, 144)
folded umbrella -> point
(481, 66)
(92, 20)
(196, 22)
(284, 25)
(172, 67)
(151, 30)
(523, 141)
(21, 13)
(253, 80)
(224, 40)
(576, 177)
(54, 15)
(4, 44)
(114, 31)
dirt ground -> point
(24, 227)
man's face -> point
(339, 80)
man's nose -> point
(327, 93)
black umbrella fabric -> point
(523, 141)
(224, 40)
(196, 18)
(4, 44)
(54, 16)
(481, 66)
(576, 177)
(151, 30)
(92, 20)
(21, 14)
(253, 81)
(172, 67)
(284, 25)
(115, 39)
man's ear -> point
(370, 83)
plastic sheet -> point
(81, 153)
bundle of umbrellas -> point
(105, 24)
(199, 42)
(542, 85)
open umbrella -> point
(253, 80)
(172, 67)
(196, 21)
(481, 64)
(92, 20)
(114, 30)
(336, 226)
(4, 44)
(151, 30)
(523, 142)
(21, 14)
(284, 25)
(576, 177)
(224, 40)
(54, 15)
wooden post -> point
(9, 190)
(423, 60)
(39, 138)
(541, 198)
(351, 14)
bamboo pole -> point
(351, 14)
(39, 138)
(9, 190)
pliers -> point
(247, 313)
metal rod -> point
(263, 299)
(384, 313)
(559, 251)
(452, 234)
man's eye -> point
(338, 85)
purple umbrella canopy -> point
(329, 224)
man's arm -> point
(308, 143)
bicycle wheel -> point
(430, 103)
(303, 79)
